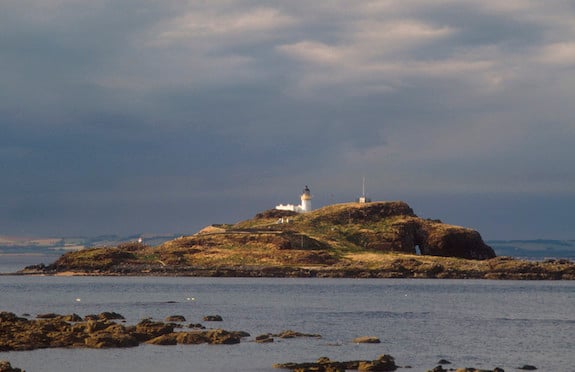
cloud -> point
(143, 102)
(559, 54)
(205, 23)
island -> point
(352, 240)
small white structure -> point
(306, 200)
(305, 205)
(363, 199)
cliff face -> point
(453, 241)
(388, 227)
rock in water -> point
(175, 318)
(324, 364)
(169, 339)
(5, 366)
(213, 318)
(383, 363)
(266, 338)
(366, 340)
(107, 315)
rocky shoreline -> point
(398, 266)
(107, 330)
(352, 240)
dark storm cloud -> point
(165, 116)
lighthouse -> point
(305, 205)
(306, 200)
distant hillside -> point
(25, 245)
(538, 249)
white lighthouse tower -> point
(306, 200)
(305, 205)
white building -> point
(305, 205)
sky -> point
(122, 117)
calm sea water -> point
(478, 323)
(10, 263)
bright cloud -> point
(206, 23)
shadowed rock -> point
(213, 318)
(175, 318)
(148, 329)
(106, 315)
(440, 368)
(5, 366)
(169, 339)
(264, 339)
(324, 364)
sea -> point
(472, 323)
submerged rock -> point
(293, 334)
(324, 364)
(47, 316)
(264, 339)
(106, 315)
(175, 318)
(440, 368)
(196, 326)
(213, 318)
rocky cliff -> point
(381, 226)
(382, 240)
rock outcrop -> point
(176, 318)
(23, 334)
(324, 364)
(438, 239)
(5, 366)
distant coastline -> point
(539, 249)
